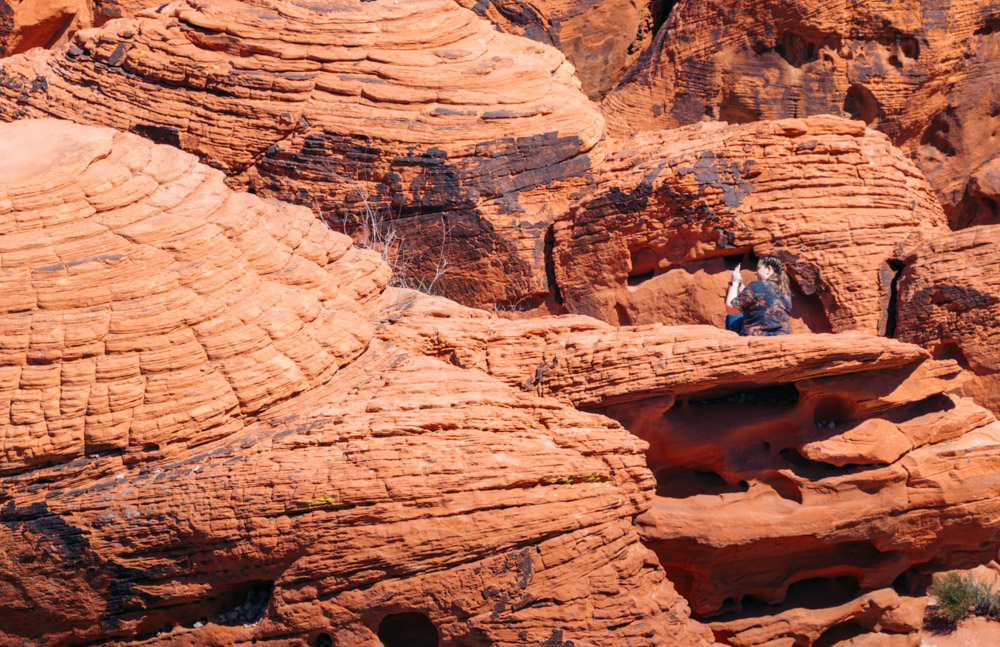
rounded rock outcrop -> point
(417, 115)
(919, 70)
(205, 444)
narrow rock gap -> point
(897, 267)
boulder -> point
(803, 482)
(415, 121)
(949, 303)
(205, 444)
(672, 212)
(920, 71)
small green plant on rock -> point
(959, 595)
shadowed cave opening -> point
(409, 629)
(860, 103)
(683, 483)
(776, 395)
(839, 633)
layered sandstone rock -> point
(949, 303)
(601, 39)
(673, 211)
(920, 70)
(204, 443)
(801, 480)
(40, 23)
(417, 112)
(465, 145)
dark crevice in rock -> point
(409, 629)
(890, 272)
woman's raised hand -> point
(736, 274)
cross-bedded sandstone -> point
(203, 443)
(670, 212)
(920, 71)
(799, 479)
(949, 303)
(416, 112)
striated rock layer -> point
(671, 213)
(417, 112)
(802, 481)
(949, 303)
(205, 444)
(475, 152)
(921, 71)
(601, 39)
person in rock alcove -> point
(761, 308)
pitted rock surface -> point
(672, 212)
(204, 443)
(920, 71)
(601, 39)
(145, 304)
(949, 303)
(799, 478)
(418, 112)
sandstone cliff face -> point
(601, 39)
(920, 70)
(433, 119)
(205, 444)
(802, 482)
(949, 303)
(480, 149)
(673, 211)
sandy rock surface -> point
(671, 213)
(798, 479)
(949, 303)
(601, 39)
(919, 70)
(205, 444)
(419, 111)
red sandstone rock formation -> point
(919, 70)
(601, 39)
(204, 444)
(949, 303)
(670, 213)
(799, 479)
(433, 119)
(40, 23)
(475, 153)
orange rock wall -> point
(949, 302)
(919, 70)
(204, 444)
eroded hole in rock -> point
(796, 49)
(678, 483)
(909, 46)
(409, 629)
(840, 633)
(809, 309)
(951, 350)
(939, 134)
(860, 103)
(990, 26)
(810, 469)
(624, 318)
(832, 412)
(778, 395)
(244, 604)
(786, 488)
(937, 403)
(638, 279)
(323, 640)
(890, 272)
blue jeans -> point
(734, 323)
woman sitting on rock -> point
(761, 308)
